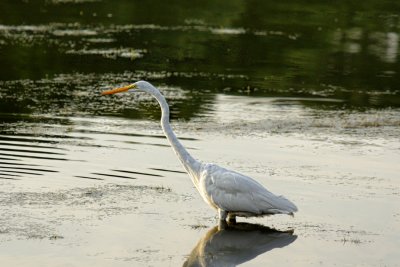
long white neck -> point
(191, 165)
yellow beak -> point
(118, 90)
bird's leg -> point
(222, 214)
(231, 218)
(222, 225)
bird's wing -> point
(233, 191)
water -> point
(303, 97)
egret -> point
(230, 193)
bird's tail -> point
(285, 206)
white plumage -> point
(238, 194)
(229, 192)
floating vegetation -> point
(100, 201)
(198, 226)
(55, 237)
(111, 53)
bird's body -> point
(229, 192)
(239, 195)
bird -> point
(230, 193)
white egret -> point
(230, 193)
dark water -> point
(56, 56)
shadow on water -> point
(236, 244)
(21, 153)
(19, 146)
(38, 154)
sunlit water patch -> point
(122, 172)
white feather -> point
(234, 192)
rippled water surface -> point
(304, 97)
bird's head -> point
(137, 86)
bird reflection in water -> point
(235, 244)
